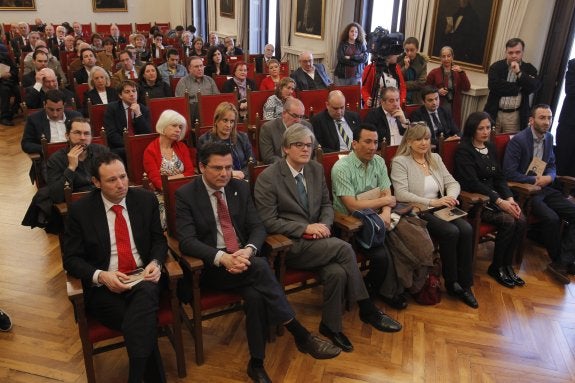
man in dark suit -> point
(115, 35)
(263, 61)
(272, 131)
(389, 119)
(549, 205)
(88, 58)
(510, 83)
(20, 38)
(231, 49)
(8, 89)
(293, 199)
(46, 80)
(309, 75)
(40, 61)
(126, 113)
(333, 128)
(435, 116)
(218, 223)
(110, 232)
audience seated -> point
(128, 70)
(274, 106)
(172, 66)
(263, 61)
(309, 75)
(231, 49)
(143, 54)
(45, 81)
(198, 48)
(225, 130)
(115, 35)
(107, 57)
(51, 62)
(215, 62)
(389, 118)
(435, 116)
(8, 89)
(274, 77)
(100, 91)
(189, 43)
(150, 84)
(157, 48)
(196, 82)
(420, 177)
(271, 134)
(240, 83)
(88, 58)
(126, 113)
(334, 127)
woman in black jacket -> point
(150, 83)
(477, 170)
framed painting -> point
(310, 18)
(467, 26)
(110, 5)
(227, 8)
(17, 5)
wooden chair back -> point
(169, 188)
(174, 83)
(207, 105)
(500, 142)
(447, 152)
(143, 28)
(352, 95)
(87, 29)
(79, 92)
(135, 146)
(409, 109)
(327, 160)
(220, 80)
(179, 104)
(96, 115)
(102, 29)
(388, 152)
(256, 101)
(125, 29)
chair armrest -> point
(277, 242)
(62, 208)
(34, 156)
(347, 223)
(473, 198)
(173, 268)
(74, 288)
(523, 188)
(190, 262)
(568, 183)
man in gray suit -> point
(293, 199)
(272, 131)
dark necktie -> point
(129, 122)
(126, 260)
(226, 224)
(343, 134)
(301, 191)
(436, 121)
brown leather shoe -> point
(318, 348)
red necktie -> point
(226, 224)
(126, 260)
(129, 122)
(132, 75)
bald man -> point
(45, 80)
(309, 75)
(333, 128)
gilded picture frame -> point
(227, 8)
(17, 5)
(309, 18)
(110, 5)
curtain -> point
(242, 18)
(332, 31)
(285, 22)
(511, 17)
(416, 17)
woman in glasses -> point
(478, 171)
(274, 105)
(420, 177)
(225, 130)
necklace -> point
(422, 164)
(482, 150)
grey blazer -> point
(408, 180)
(278, 203)
(271, 135)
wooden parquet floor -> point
(519, 335)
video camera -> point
(381, 43)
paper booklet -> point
(536, 167)
(370, 194)
(449, 213)
(134, 277)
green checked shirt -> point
(350, 177)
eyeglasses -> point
(415, 123)
(300, 116)
(218, 169)
(301, 145)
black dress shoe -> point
(570, 268)
(559, 272)
(464, 295)
(381, 321)
(514, 277)
(398, 302)
(337, 338)
(500, 275)
(258, 374)
(319, 348)
(6, 122)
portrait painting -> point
(110, 5)
(309, 18)
(467, 26)
(17, 5)
(227, 8)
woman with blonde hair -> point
(225, 130)
(274, 76)
(167, 154)
(420, 177)
(274, 106)
(101, 91)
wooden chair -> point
(102, 29)
(207, 104)
(409, 109)
(205, 303)
(143, 28)
(125, 29)
(174, 83)
(313, 100)
(96, 116)
(352, 95)
(135, 146)
(92, 332)
(220, 80)
(87, 29)
(179, 104)
(256, 101)
(79, 91)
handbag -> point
(430, 294)
(372, 233)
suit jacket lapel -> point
(289, 182)
(100, 225)
(205, 205)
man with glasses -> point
(218, 223)
(334, 127)
(73, 164)
(309, 75)
(292, 199)
(272, 131)
(196, 82)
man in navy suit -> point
(549, 205)
(214, 209)
(126, 113)
(333, 128)
(98, 252)
(309, 75)
(389, 118)
(435, 116)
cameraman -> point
(384, 71)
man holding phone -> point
(73, 163)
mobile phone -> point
(133, 275)
(456, 212)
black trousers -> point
(509, 235)
(455, 248)
(265, 303)
(135, 314)
(7, 90)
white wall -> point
(58, 11)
